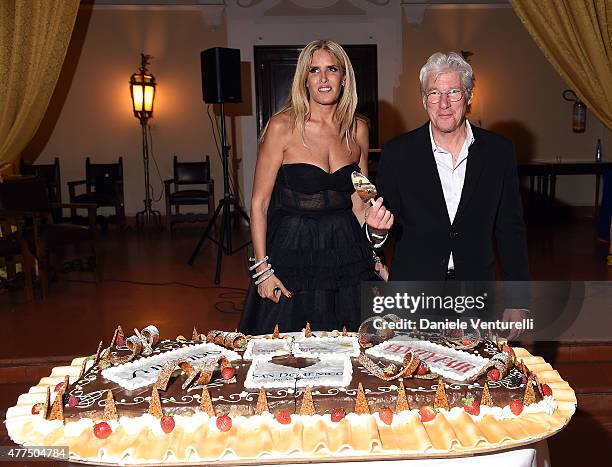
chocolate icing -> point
(234, 399)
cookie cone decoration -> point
(206, 403)
(262, 402)
(486, 396)
(114, 338)
(276, 333)
(97, 355)
(194, 335)
(344, 331)
(57, 409)
(361, 403)
(529, 397)
(187, 368)
(205, 368)
(402, 401)
(224, 363)
(82, 370)
(204, 378)
(164, 375)
(307, 407)
(120, 339)
(110, 411)
(47, 404)
(307, 331)
(411, 363)
(155, 408)
(441, 401)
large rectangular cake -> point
(227, 396)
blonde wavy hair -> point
(298, 103)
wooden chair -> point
(13, 250)
(51, 176)
(189, 174)
(103, 187)
(28, 199)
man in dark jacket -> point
(453, 189)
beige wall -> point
(517, 91)
(95, 119)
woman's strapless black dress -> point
(317, 249)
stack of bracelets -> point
(265, 273)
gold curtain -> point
(576, 38)
(34, 37)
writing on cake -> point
(447, 362)
(145, 371)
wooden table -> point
(546, 172)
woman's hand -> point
(272, 288)
(379, 218)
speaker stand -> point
(224, 242)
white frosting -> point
(444, 361)
(145, 371)
(191, 423)
(45, 427)
(77, 427)
(546, 405)
(266, 348)
(326, 347)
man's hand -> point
(382, 271)
(379, 218)
(514, 315)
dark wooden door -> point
(274, 69)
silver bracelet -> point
(261, 261)
(257, 274)
(382, 239)
(263, 278)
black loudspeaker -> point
(220, 75)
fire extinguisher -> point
(578, 111)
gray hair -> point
(452, 61)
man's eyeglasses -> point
(454, 95)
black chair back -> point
(191, 173)
(103, 177)
(49, 174)
(27, 194)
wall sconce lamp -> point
(142, 90)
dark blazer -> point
(489, 211)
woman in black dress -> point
(311, 253)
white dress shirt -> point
(452, 178)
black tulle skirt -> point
(322, 260)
